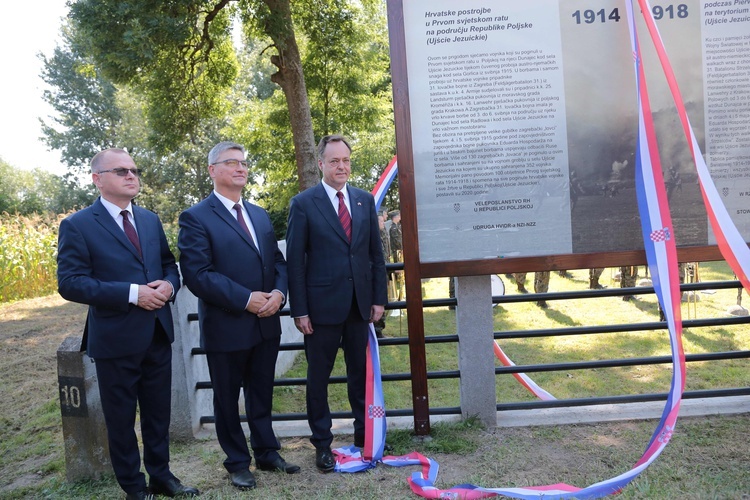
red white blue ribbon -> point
(351, 458)
(659, 244)
(375, 425)
(522, 378)
(384, 182)
(728, 238)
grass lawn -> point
(562, 314)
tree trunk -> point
(291, 79)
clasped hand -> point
(265, 304)
(154, 295)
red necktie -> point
(130, 232)
(344, 217)
(241, 220)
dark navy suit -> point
(335, 283)
(221, 266)
(131, 346)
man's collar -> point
(113, 209)
(226, 201)
(331, 191)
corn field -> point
(28, 252)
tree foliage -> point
(37, 191)
(165, 81)
(87, 112)
(178, 54)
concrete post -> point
(84, 430)
(188, 404)
(476, 359)
(289, 335)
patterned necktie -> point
(130, 232)
(241, 220)
(344, 217)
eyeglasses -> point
(232, 163)
(122, 172)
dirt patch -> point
(33, 475)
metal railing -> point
(550, 367)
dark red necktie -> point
(344, 217)
(130, 232)
(241, 220)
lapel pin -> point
(359, 204)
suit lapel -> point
(143, 227)
(108, 223)
(221, 211)
(358, 213)
(329, 213)
(257, 225)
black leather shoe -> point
(242, 479)
(172, 488)
(140, 495)
(324, 460)
(279, 465)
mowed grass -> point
(508, 317)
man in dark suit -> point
(114, 257)
(230, 260)
(337, 285)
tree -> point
(178, 86)
(86, 105)
(347, 71)
(180, 55)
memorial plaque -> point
(524, 122)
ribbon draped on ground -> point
(350, 458)
(661, 253)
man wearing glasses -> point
(230, 260)
(114, 257)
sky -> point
(29, 28)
